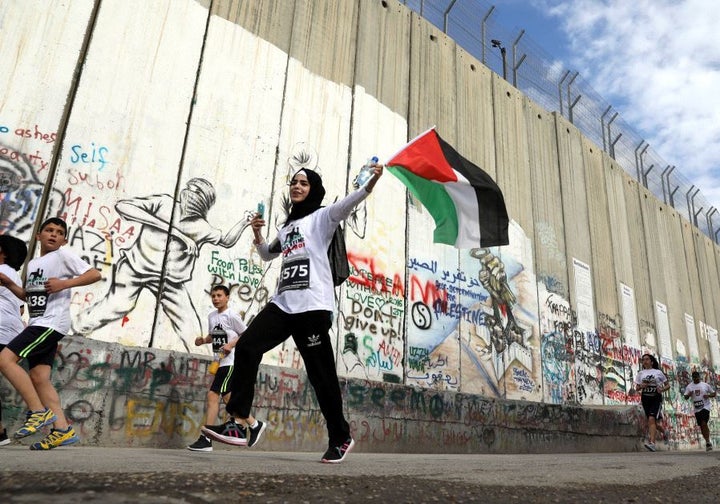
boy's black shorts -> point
(37, 344)
(223, 378)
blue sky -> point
(657, 62)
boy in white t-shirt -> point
(225, 328)
(12, 256)
(701, 392)
(48, 282)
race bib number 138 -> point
(37, 301)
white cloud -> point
(658, 62)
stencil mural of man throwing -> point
(141, 265)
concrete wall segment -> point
(382, 62)
(601, 240)
(315, 23)
(475, 112)
(372, 312)
(574, 172)
(270, 20)
(605, 286)
(432, 93)
(709, 282)
(695, 301)
(226, 99)
(549, 244)
(620, 232)
(511, 147)
(621, 340)
(41, 50)
(120, 396)
(640, 265)
(433, 336)
(655, 263)
(124, 127)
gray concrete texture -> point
(227, 474)
(571, 200)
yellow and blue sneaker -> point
(35, 421)
(56, 438)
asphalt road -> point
(125, 475)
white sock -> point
(254, 425)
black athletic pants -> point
(310, 331)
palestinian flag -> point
(467, 205)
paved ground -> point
(125, 475)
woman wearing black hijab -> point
(301, 307)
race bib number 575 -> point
(295, 274)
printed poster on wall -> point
(663, 330)
(584, 296)
(629, 314)
(692, 338)
(714, 347)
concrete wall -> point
(113, 111)
(129, 396)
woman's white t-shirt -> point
(305, 280)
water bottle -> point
(366, 172)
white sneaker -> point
(650, 446)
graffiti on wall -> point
(22, 179)
(161, 259)
(136, 394)
(557, 321)
(480, 314)
(371, 320)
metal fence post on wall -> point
(446, 15)
(669, 170)
(516, 64)
(638, 156)
(672, 194)
(560, 97)
(569, 93)
(690, 201)
(612, 145)
(695, 215)
(645, 174)
(662, 182)
(572, 106)
(708, 217)
(613, 142)
(602, 128)
(483, 32)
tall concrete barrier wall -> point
(116, 113)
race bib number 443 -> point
(295, 274)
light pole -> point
(497, 44)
